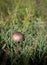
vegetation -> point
(30, 18)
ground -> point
(30, 18)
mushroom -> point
(18, 49)
(18, 37)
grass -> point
(25, 17)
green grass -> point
(25, 17)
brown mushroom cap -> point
(17, 36)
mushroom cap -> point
(18, 37)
